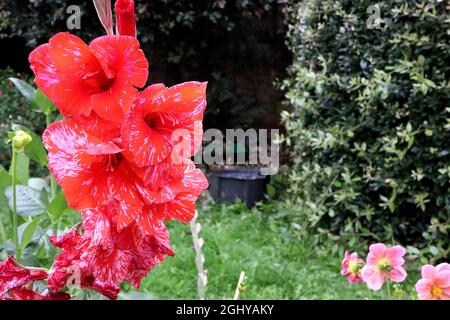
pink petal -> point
(445, 294)
(376, 252)
(443, 267)
(428, 272)
(395, 255)
(423, 288)
(373, 277)
(442, 279)
(354, 256)
(398, 274)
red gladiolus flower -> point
(104, 255)
(69, 268)
(91, 172)
(100, 77)
(125, 18)
(25, 293)
(126, 255)
(172, 195)
(16, 281)
(121, 157)
(94, 173)
(14, 276)
(160, 116)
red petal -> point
(124, 186)
(79, 78)
(159, 113)
(71, 55)
(107, 107)
(126, 215)
(121, 58)
(64, 93)
(150, 219)
(12, 275)
(73, 160)
(99, 127)
(194, 182)
(147, 146)
(24, 293)
(177, 103)
(181, 208)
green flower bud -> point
(398, 291)
(20, 140)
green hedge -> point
(368, 122)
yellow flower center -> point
(353, 267)
(436, 292)
(383, 265)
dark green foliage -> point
(242, 40)
(369, 120)
(181, 20)
(235, 109)
(15, 109)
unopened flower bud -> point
(125, 18)
(20, 140)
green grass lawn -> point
(238, 240)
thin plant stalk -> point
(14, 204)
(198, 242)
(370, 293)
(53, 184)
(237, 292)
(388, 284)
(3, 233)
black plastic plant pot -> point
(246, 184)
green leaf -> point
(24, 88)
(5, 181)
(29, 198)
(22, 168)
(26, 232)
(434, 250)
(43, 103)
(35, 150)
(57, 207)
(271, 192)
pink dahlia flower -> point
(435, 282)
(351, 267)
(383, 263)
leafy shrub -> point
(14, 109)
(183, 40)
(233, 108)
(368, 121)
(161, 22)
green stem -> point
(388, 284)
(3, 233)
(52, 187)
(14, 208)
(370, 294)
(53, 184)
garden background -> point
(364, 114)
